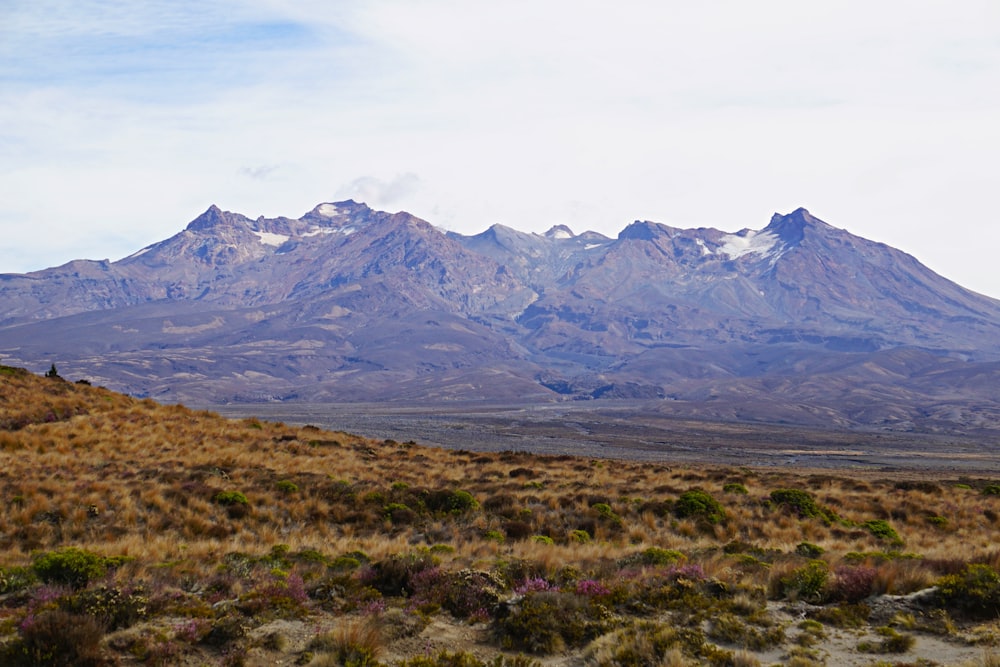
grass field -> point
(139, 533)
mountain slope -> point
(799, 321)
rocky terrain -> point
(799, 322)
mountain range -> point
(799, 322)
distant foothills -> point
(799, 322)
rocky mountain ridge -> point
(799, 321)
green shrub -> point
(69, 566)
(991, 490)
(700, 505)
(881, 529)
(806, 582)
(230, 498)
(450, 501)
(974, 591)
(579, 536)
(735, 487)
(802, 503)
(542, 539)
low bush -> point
(880, 529)
(974, 591)
(69, 566)
(56, 638)
(394, 575)
(807, 582)
(698, 504)
(549, 622)
(801, 503)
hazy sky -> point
(120, 121)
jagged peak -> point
(212, 217)
(791, 228)
(641, 230)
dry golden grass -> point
(84, 467)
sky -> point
(121, 121)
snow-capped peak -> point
(560, 232)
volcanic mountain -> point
(798, 322)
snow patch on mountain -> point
(748, 242)
(268, 238)
(328, 210)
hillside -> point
(138, 533)
(798, 322)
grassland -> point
(139, 533)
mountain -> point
(797, 322)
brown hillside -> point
(138, 533)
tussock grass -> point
(234, 523)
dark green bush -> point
(699, 504)
(735, 487)
(393, 575)
(450, 501)
(802, 503)
(69, 566)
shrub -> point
(230, 498)
(735, 487)
(700, 505)
(974, 591)
(464, 594)
(806, 582)
(991, 490)
(69, 566)
(450, 502)
(809, 550)
(56, 638)
(802, 503)
(852, 584)
(881, 529)
(549, 622)
(114, 607)
(393, 576)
